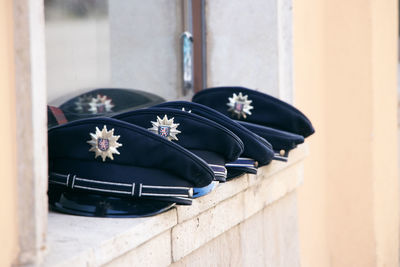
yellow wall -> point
(310, 97)
(8, 228)
(345, 80)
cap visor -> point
(93, 205)
(234, 172)
(279, 139)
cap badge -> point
(94, 105)
(239, 105)
(104, 143)
(100, 104)
(165, 127)
(82, 104)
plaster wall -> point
(345, 81)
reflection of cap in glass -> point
(207, 139)
(106, 101)
(106, 167)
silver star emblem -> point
(100, 104)
(165, 127)
(239, 105)
(82, 104)
(94, 105)
(104, 143)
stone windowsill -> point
(86, 241)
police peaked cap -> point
(112, 158)
(254, 147)
(263, 109)
(205, 138)
(104, 102)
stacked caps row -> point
(127, 153)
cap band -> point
(58, 115)
(278, 156)
(220, 171)
(242, 163)
(133, 190)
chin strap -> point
(122, 189)
(246, 163)
(281, 155)
(220, 172)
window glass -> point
(131, 44)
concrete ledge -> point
(169, 237)
(192, 234)
(85, 241)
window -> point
(130, 44)
(121, 44)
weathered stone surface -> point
(272, 188)
(192, 234)
(155, 252)
(268, 238)
(252, 240)
(221, 251)
(222, 192)
(281, 233)
(87, 241)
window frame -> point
(30, 91)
